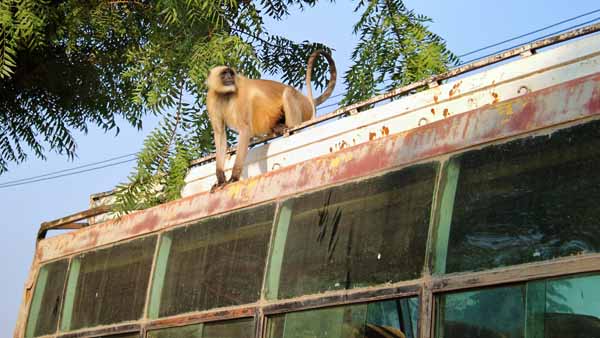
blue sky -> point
(465, 25)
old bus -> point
(466, 207)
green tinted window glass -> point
(241, 328)
(393, 318)
(572, 307)
(488, 313)
(217, 262)
(189, 331)
(554, 308)
(109, 285)
(357, 234)
(527, 200)
(47, 299)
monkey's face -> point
(228, 77)
(222, 80)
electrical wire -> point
(530, 33)
(65, 172)
(533, 40)
(72, 171)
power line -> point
(71, 171)
(8, 185)
(530, 33)
(533, 40)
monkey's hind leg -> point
(296, 107)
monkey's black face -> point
(228, 77)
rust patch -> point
(593, 105)
(454, 89)
(540, 109)
(372, 136)
(495, 96)
(385, 131)
(446, 112)
(432, 111)
(435, 98)
(330, 150)
(343, 144)
(522, 120)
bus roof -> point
(451, 115)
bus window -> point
(391, 318)
(555, 308)
(214, 263)
(240, 328)
(527, 200)
(487, 313)
(109, 285)
(47, 299)
(357, 234)
(123, 335)
(572, 307)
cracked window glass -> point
(357, 234)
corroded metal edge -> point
(431, 82)
(559, 104)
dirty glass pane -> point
(112, 284)
(123, 335)
(572, 307)
(392, 318)
(217, 262)
(527, 200)
(241, 328)
(358, 234)
(487, 313)
(47, 299)
(189, 331)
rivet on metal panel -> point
(432, 111)
(423, 121)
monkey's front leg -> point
(221, 149)
(242, 151)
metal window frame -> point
(427, 287)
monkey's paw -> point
(218, 186)
(280, 129)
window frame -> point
(432, 283)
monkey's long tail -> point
(332, 70)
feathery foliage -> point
(395, 49)
(66, 65)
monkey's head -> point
(222, 79)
